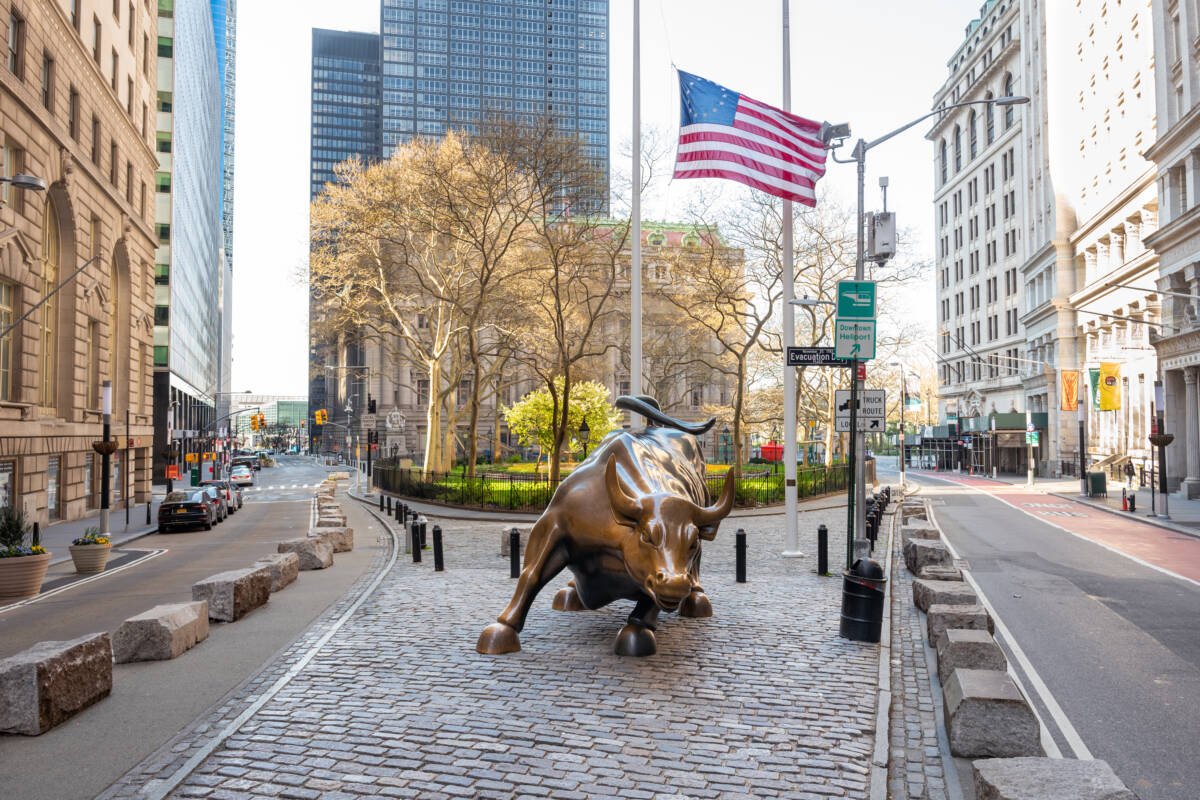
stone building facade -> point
(76, 100)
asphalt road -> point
(1116, 642)
(152, 701)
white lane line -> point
(1039, 686)
(149, 555)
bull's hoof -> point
(498, 639)
(695, 605)
(567, 599)
(634, 640)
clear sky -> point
(873, 63)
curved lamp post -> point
(584, 431)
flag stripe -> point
(751, 138)
(724, 134)
(690, 136)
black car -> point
(186, 509)
(233, 494)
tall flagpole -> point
(635, 272)
(791, 515)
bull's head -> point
(662, 552)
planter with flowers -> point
(22, 566)
(90, 552)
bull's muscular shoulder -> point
(651, 461)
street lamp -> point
(26, 182)
(105, 447)
(584, 431)
(838, 134)
(725, 443)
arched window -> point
(1008, 92)
(50, 256)
(991, 120)
(943, 161)
(972, 135)
(957, 148)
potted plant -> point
(90, 552)
(22, 567)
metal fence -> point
(521, 492)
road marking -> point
(1043, 691)
(149, 555)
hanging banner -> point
(1094, 385)
(1068, 385)
(1110, 386)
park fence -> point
(527, 492)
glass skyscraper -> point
(454, 63)
(345, 101)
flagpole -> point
(791, 512)
(635, 271)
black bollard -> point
(404, 512)
(421, 523)
(439, 562)
(514, 553)
(415, 537)
(741, 555)
(389, 505)
(398, 513)
(381, 502)
(148, 504)
(822, 550)
(1132, 502)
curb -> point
(1156, 523)
(883, 702)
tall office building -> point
(189, 266)
(224, 16)
(453, 65)
(345, 102)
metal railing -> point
(528, 492)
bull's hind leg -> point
(637, 637)
(544, 558)
(567, 599)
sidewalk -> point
(58, 536)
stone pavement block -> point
(987, 716)
(1047, 779)
(234, 594)
(314, 553)
(53, 681)
(340, 538)
(940, 573)
(927, 593)
(164, 632)
(285, 568)
(920, 553)
(969, 649)
(919, 529)
(940, 618)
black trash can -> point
(862, 601)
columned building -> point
(1176, 154)
(190, 266)
(76, 262)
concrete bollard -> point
(514, 553)
(439, 563)
(740, 547)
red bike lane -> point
(1168, 551)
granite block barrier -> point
(941, 618)
(919, 553)
(51, 682)
(162, 633)
(234, 594)
(313, 552)
(1047, 779)
(929, 592)
(285, 568)
(959, 648)
(339, 538)
(987, 716)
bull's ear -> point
(623, 504)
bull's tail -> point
(648, 408)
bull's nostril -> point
(661, 576)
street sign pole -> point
(853, 473)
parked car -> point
(233, 495)
(186, 509)
(217, 499)
(241, 475)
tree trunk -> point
(829, 427)
(433, 418)
(473, 421)
(560, 430)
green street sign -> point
(854, 339)
(856, 300)
(1032, 438)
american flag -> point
(723, 134)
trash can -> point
(1097, 484)
(862, 601)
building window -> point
(113, 160)
(146, 54)
(75, 18)
(8, 296)
(116, 68)
(50, 255)
(14, 164)
(422, 392)
(8, 483)
(16, 44)
(1008, 110)
(48, 81)
(129, 101)
(96, 30)
(943, 161)
(163, 144)
(165, 47)
(128, 182)
(990, 120)
(73, 114)
(697, 397)
(972, 135)
(92, 398)
(52, 504)
(957, 149)
(96, 141)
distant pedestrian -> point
(1129, 473)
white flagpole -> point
(791, 513)
(635, 272)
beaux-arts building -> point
(77, 105)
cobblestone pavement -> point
(763, 699)
(915, 769)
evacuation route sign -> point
(854, 339)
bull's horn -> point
(622, 503)
(710, 515)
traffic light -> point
(262, 422)
(254, 422)
(370, 405)
(320, 416)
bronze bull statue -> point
(628, 523)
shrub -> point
(13, 528)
